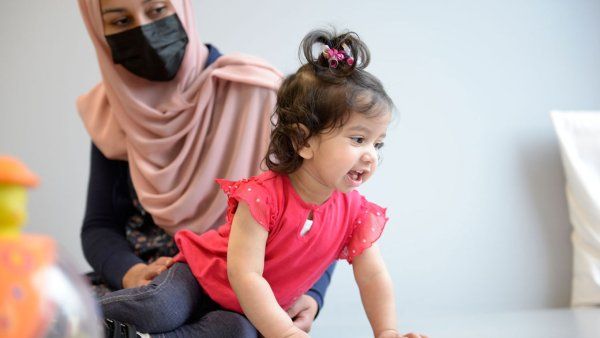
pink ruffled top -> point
(342, 228)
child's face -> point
(346, 157)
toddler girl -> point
(286, 226)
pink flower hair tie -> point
(334, 56)
(349, 58)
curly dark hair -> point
(321, 97)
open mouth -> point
(355, 177)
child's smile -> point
(355, 177)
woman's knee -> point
(163, 305)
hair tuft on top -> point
(347, 41)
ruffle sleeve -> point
(254, 195)
(366, 230)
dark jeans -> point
(174, 305)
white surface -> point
(471, 173)
(579, 136)
(551, 323)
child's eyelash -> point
(361, 140)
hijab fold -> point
(179, 136)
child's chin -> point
(346, 190)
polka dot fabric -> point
(292, 263)
(367, 228)
(254, 195)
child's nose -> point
(370, 155)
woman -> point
(161, 123)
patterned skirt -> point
(148, 241)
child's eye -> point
(358, 139)
(378, 145)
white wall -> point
(472, 175)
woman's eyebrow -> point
(112, 10)
(118, 10)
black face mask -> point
(153, 51)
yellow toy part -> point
(13, 209)
(14, 178)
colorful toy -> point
(40, 294)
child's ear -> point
(305, 151)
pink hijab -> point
(179, 136)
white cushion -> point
(579, 138)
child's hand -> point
(298, 334)
(142, 274)
(414, 335)
(395, 334)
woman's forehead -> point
(125, 4)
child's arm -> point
(245, 263)
(377, 294)
(376, 291)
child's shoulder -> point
(354, 200)
(267, 176)
(267, 180)
(353, 197)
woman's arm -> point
(317, 292)
(108, 206)
(376, 291)
(245, 263)
(103, 232)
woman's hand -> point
(303, 312)
(142, 274)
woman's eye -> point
(357, 139)
(378, 145)
(120, 22)
(157, 11)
